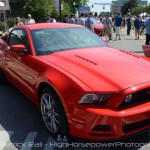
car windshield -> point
(47, 41)
(95, 21)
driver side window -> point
(18, 37)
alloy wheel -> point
(50, 113)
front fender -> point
(68, 88)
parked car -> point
(98, 27)
(80, 84)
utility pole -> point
(60, 10)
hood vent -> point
(130, 53)
(85, 59)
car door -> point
(16, 63)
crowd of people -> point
(109, 24)
(136, 23)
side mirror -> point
(17, 48)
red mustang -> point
(79, 83)
(98, 27)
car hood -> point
(103, 68)
(98, 25)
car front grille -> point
(137, 98)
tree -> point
(76, 3)
(84, 2)
(137, 10)
(17, 7)
(127, 7)
(38, 8)
(147, 9)
(103, 14)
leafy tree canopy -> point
(40, 8)
(138, 10)
(127, 7)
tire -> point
(53, 113)
(3, 79)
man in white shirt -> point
(81, 20)
(107, 22)
(29, 20)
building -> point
(6, 5)
(113, 6)
(99, 6)
(116, 5)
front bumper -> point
(98, 31)
(106, 124)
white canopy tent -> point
(143, 14)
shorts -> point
(108, 31)
(137, 31)
(117, 29)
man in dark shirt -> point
(65, 19)
(118, 24)
(137, 26)
(128, 21)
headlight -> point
(94, 98)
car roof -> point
(51, 25)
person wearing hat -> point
(29, 20)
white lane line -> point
(143, 148)
(4, 138)
(29, 141)
(50, 144)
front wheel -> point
(53, 113)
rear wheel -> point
(2, 77)
(53, 113)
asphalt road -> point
(128, 42)
(21, 126)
